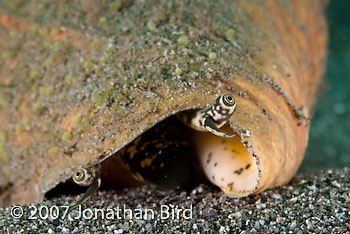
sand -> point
(317, 203)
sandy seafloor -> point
(316, 203)
(317, 200)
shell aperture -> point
(163, 155)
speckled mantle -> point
(81, 79)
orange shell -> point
(78, 82)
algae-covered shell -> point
(81, 79)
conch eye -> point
(83, 177)
(228, 100)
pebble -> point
(119, 231)
(277, 196)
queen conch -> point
(79, 81)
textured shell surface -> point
(79, 80)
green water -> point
(329, 143)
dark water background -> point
(329, 142)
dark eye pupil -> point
(228, 100)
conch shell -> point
(80, 80)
